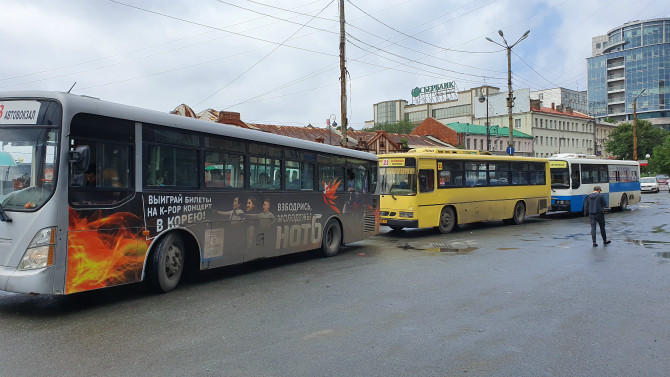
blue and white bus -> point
(573, 177)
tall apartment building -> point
(631, 61)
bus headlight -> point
(39, 253)
(406, 214)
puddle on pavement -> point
(508, 248)
(455, 247)
(659, 229)
(663, 254)
(646, 242)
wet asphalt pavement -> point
(487, 300)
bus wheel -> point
(624, 203)
(518, 216)
(519, 213)
(167, 263)
(332, 238)
(447, 220)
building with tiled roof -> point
(374, 142)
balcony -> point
(615, 88)
(616, 100)
(615, 65)
(615, 77)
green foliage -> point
(402, 127)
(620, 141)
(404, 144)
(659, 162)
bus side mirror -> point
(80, 158)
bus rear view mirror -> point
(80, 158)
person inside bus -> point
(351, 181)
(217, 179)
(89, 176)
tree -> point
(659, 162)
(620, 141)
(402, 127)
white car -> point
(648, 184)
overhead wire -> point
(264, 57)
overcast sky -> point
(277, 61)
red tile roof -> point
(356, 139)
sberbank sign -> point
(447, 86)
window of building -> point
(451, 112)
(517, 123)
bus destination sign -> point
(19, 112)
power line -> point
(422, 41)
(264, 57)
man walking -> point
(596, 204)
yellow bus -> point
(444, 188)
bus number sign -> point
(393, 162)
(558, 164)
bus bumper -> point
(397, 223)
(38, 281)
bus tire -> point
(167, 263)
(332, 238)
(518, 216)
(624, 203)
(447, 220)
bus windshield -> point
(27, 160)
(397, 181)
(560, 178)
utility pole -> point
(635, 125)
(510, 96)
(343, 80)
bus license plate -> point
(382, 221)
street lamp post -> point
(510, 98)
(330, 132)
(635, 125)
(488, 132)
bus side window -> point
(426, 180)
(575, 176)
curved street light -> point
(330, 132)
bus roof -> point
(593, 161)
(73, 104)
(429, 153)
(447, 151)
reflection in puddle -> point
(646, 242)
(659, 229)
(455, 247)
(663, 254)
(508, 248)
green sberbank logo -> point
(446, 86)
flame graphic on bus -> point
(329, 196)
(104, 251)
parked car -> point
(648, 184)
(662, 180)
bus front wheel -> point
(167, 263)
(447, 220)
(332, 238)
